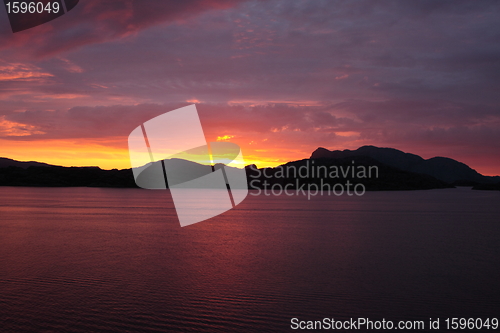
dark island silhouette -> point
(442, 168)
(396, 170)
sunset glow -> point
(276, 85)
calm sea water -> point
(83, 260)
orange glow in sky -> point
(96, 153)
(277, 81)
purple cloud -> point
(422, 75)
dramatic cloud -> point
(278, 77)
(95, 21)
(281, 132)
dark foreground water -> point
(84, 260)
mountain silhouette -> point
(7, 162)
(442, 168)
(386, 178)
(397, 170)
(16, 173)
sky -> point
(278, 77)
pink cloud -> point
(95, 21)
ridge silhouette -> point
(397, 171)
